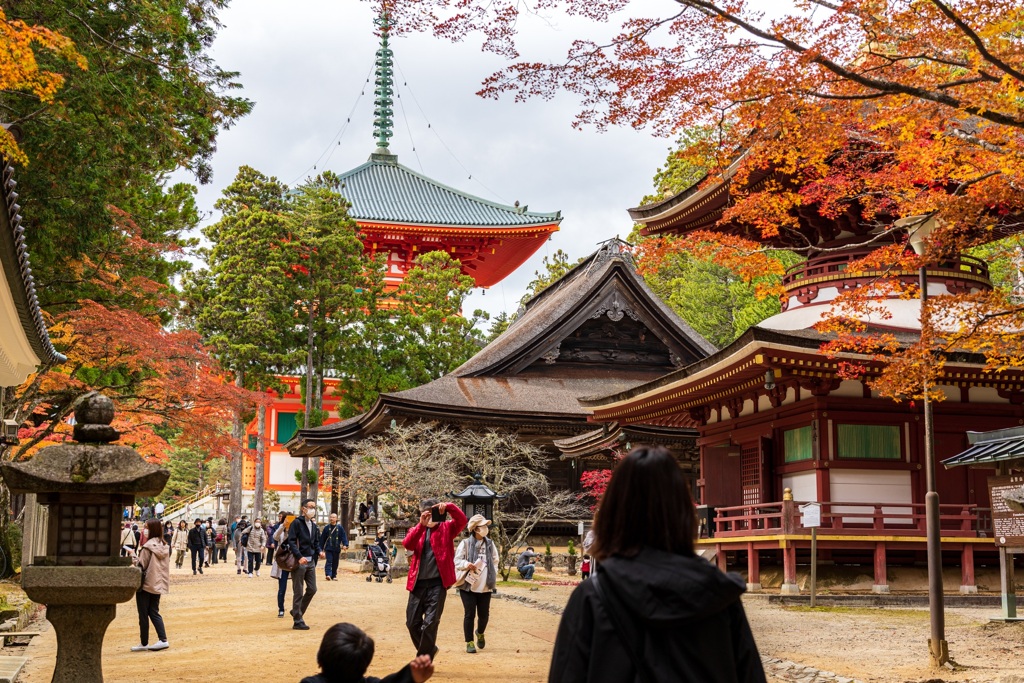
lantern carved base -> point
(80, 603)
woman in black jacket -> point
(653, 611)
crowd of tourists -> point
(651, 610)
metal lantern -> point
(478, 498)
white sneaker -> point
(159, 645)
(249, 574)
(140, 648)
(257, 573)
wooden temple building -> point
(597, 329)
(777, 426)
(402, 213)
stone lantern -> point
(81, 578)
(478, 498)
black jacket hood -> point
(660, 587)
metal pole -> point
(937, 645)
(814, 566)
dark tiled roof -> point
(18, 272)
(1000, 445)
(538, 319)
(384, 190)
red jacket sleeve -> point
(458, 521)
(413, 536)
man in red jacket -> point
(431, 571)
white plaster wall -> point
(804, 486)
(871, 486)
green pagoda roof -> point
(386, 191)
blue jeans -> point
(331, 563)
(526, 571)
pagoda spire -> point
(383, 92)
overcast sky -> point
(304, 63)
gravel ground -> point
(223, 627)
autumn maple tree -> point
(889, 108)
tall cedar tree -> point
(410, 336)
(242, 304)
(894, 107)
(326, 283)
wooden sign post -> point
(1007, 496)
(810, 517)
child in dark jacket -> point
(346, 652)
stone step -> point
(10, 667)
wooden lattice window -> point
(750, 474)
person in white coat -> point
(476, 564)
(179, 543)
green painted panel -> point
(871, 442)
(252, 442)
(286, 426)
(798, 444)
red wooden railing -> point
(835, 264)
(906, 519)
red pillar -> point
(753, 568)
(720, 557)
(881, 580)
(967, 582)
(789, 586)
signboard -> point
(1007, 496)
(810, 515)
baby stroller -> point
(380, 567)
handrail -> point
(907, 518)
(834, 264)
(180, 504)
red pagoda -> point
(403, 213)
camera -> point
(438, 513)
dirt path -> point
(225, 628)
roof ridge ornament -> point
(383, 92)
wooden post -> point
(720, 558)
(967, 582)
(1006, 585)
(814, 566)
(881, 570)
(789, 522)
(753, 568)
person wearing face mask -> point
(196, 543)
(179, 543)
(333, 540)
(476, 567)
(431, 571)
(304, 543)
(254, 546)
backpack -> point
(219, 538)
(245, 538)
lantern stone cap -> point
(85, 468)
(96, 466)
(478, 489)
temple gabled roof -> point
(24, 343)
(382, 190)
(597, 330)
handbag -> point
(628, 636)
(284, 558)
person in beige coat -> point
(179, 543)
(254, 544)
(154, 558)
(476, 564)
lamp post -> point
(919, 228)
(478, 498)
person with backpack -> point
(196, 543)
(653, 610)
(476, 567)
(220, 540)
(332, 539)
(179, 543)
(129, 539)
(210, 537)
(154, 559)
(255, 540)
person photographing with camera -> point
(431, 570)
